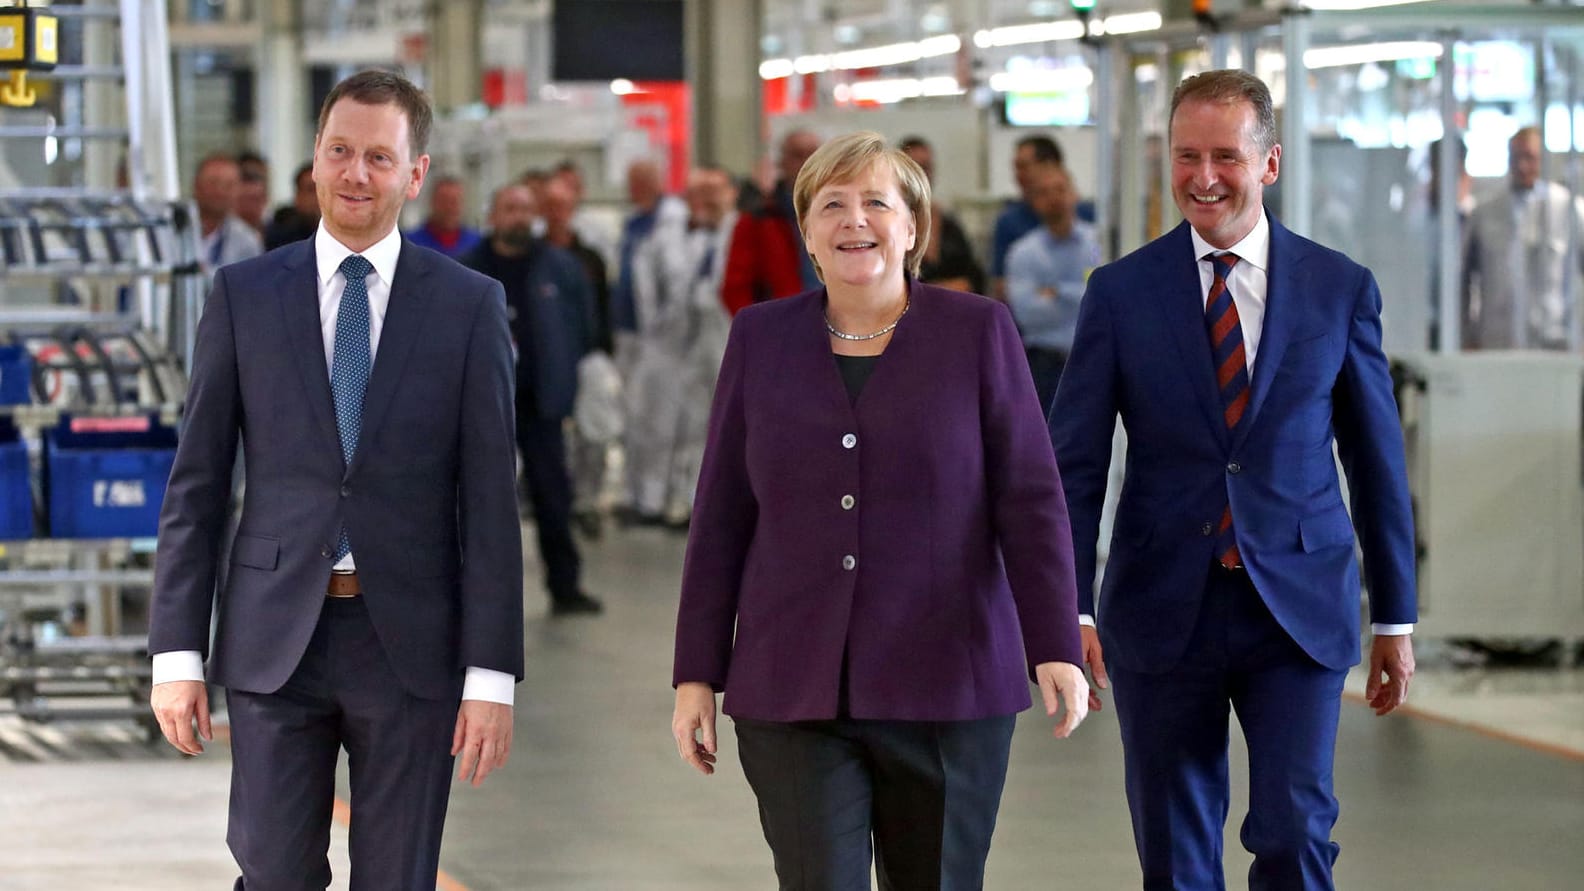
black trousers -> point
(1046, 366)
(922, 795)
(542, 443)
(284, 747)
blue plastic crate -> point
(16, 492)
(16, 376)
(106, 477)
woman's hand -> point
(1066, 681)
(695, 714)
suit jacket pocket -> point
(1306, 351)
(256, 551)
(1329, 529)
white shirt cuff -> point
(177, 665)
(1086, 619)
(1380, 629)
(488, 685)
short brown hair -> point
(376, 86)
(1230, 86)
(846, 157)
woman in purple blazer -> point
(880, 554)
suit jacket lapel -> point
(811, 340)
(1281, 289)
(300, 308)
(404, 317)
(1182, 302)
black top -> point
(855, 371)
(956, 258)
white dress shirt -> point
(1249, 283)
(480, 683)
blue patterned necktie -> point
(349, 370)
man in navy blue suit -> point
(1236, 354)
(373, 600)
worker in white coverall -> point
(682, 327)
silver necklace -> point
(881, 333)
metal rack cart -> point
(99, 293)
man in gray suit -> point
(1517, 289)
(373, 599)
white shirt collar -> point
(1253, 249)
(328, 254)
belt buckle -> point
(343, 585)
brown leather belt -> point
(343, 584)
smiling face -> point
(364, 171)
(860, 230)
(1219, 170)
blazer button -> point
(848, 501)
(1206, 529)
(326, 552)
(1234, 467)
(849, 562)
(849, 441)
(345, 491)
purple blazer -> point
(945, 576)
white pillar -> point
(722, 51)
(284, 122)
(455, 56)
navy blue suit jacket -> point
(428, 501)
(1141, 352)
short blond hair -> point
(842, 160)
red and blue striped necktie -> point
(1231, 365)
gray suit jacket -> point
(428, 500)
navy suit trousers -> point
(1174, 738)
(284, 748)
(542, 443)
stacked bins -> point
(16, 492)
(105, 477)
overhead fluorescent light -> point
(868, 57)
(1067, 29)
(1041, 80)
(1132, 22)
(1350, 5)
(770, 69)
(1038, 32)
(1363, 53)
(888, 91)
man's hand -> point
(177, 704)
(1095, 659)
(695, 714)
(1066, 680)
(1391, 655)
(483, 738)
